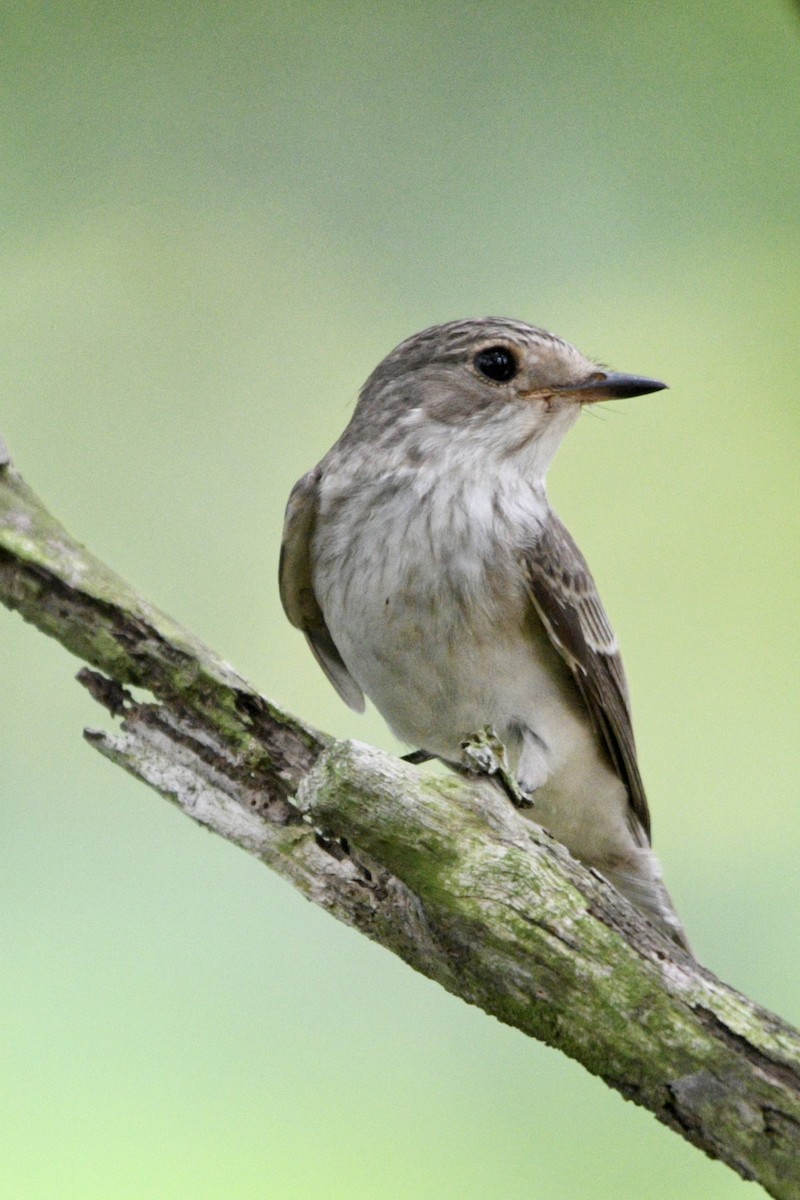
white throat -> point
(516, 440)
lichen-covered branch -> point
(445, 872)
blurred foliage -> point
(215, 221)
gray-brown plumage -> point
(427, 570)
(567, 603)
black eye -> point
(497, 363)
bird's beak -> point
(612, 385)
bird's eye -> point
(496, 363)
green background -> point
(216, 219)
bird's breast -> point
(418, 544)
(422, 592)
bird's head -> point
(501, 384)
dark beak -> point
(613, 385)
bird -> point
(423, 562)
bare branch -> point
(443, 872)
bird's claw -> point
(483, 753)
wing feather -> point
(297, 587)
(565, 599)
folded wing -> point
(565, 599)
(297, 587)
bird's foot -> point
(483, 753)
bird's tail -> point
(641, 883)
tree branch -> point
(444, 872)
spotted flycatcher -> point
(426, 568)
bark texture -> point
(444, 872)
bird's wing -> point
(297, 587)
(565, 598)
